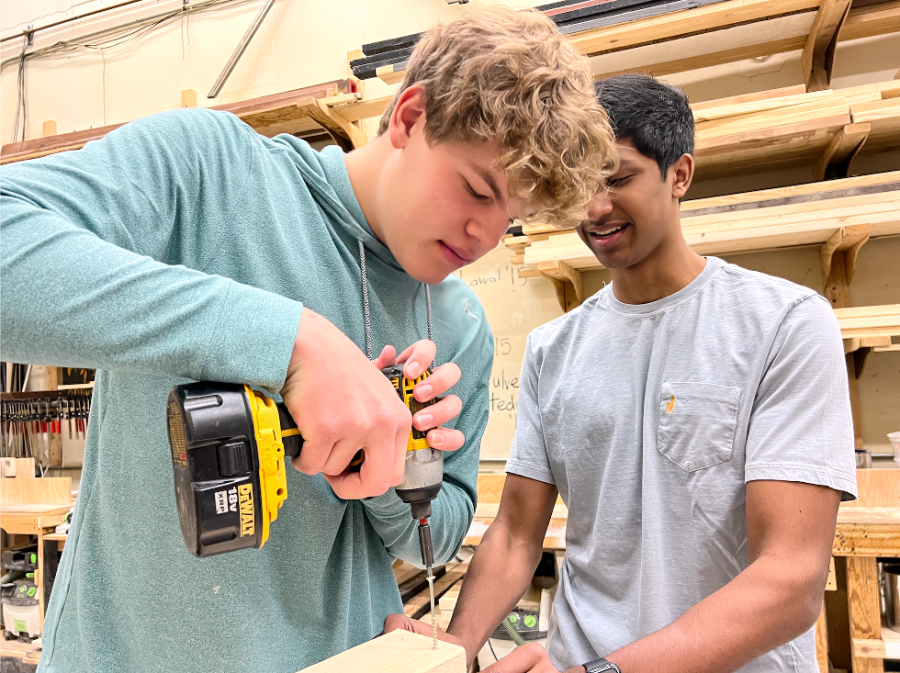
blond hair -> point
(510, 78)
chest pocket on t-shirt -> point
(697, 423)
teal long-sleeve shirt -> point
(184, 247)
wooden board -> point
(396, 652)
(878, 489)
(884, 117)
(744, 232)
(869, 321)
(682, 23)
(21, 468)
(743, 41)
(26, 492)
(784, 217)
(865, 615)
(31, 519)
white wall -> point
(300, 43)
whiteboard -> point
(514, 306)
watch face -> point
(602, 666)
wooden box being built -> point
(396, 652)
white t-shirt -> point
(651, 419)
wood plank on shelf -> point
(704, 113)
(759, 96)
(704, 50)
(804, 218)
(871, 21)
(884, 118)
(364, 109)
(740, 42)
(766, 195)
(685, 22)
(792, 111)
(783, 145)
(268, 115)
(869, 321)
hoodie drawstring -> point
(365, 293)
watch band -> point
(601, 665)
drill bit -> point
(428, 560)
(433, 615)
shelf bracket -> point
(843, 148)
(838, 258)
(344, 133)
(567, 282)
(817, 59)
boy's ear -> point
(409, 110)
(683, 172)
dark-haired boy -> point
(694, 416)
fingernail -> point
(412, 370)
(425, 392)
(424, 420)
(435, 439)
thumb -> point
(387, 358)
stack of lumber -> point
(789, 216)
(788, 126)
(869, 325)
(882, 114)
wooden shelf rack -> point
(299, 111)
(842, 210)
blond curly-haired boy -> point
(185, 246)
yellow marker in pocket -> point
(671, 405)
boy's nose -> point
(488, 231)
(600, 206)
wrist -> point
(304, 350)
(469, 644)
(601, 665)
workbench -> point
(867, 528)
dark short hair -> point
(654, 116)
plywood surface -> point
(27, 492)
(396, 652)
(878, 488)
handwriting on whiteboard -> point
(514, 306)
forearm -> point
(763, 607)
(70, 298)
(498, 576)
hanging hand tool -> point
(228, 446)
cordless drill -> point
(229, 444)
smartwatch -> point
(601, 666)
